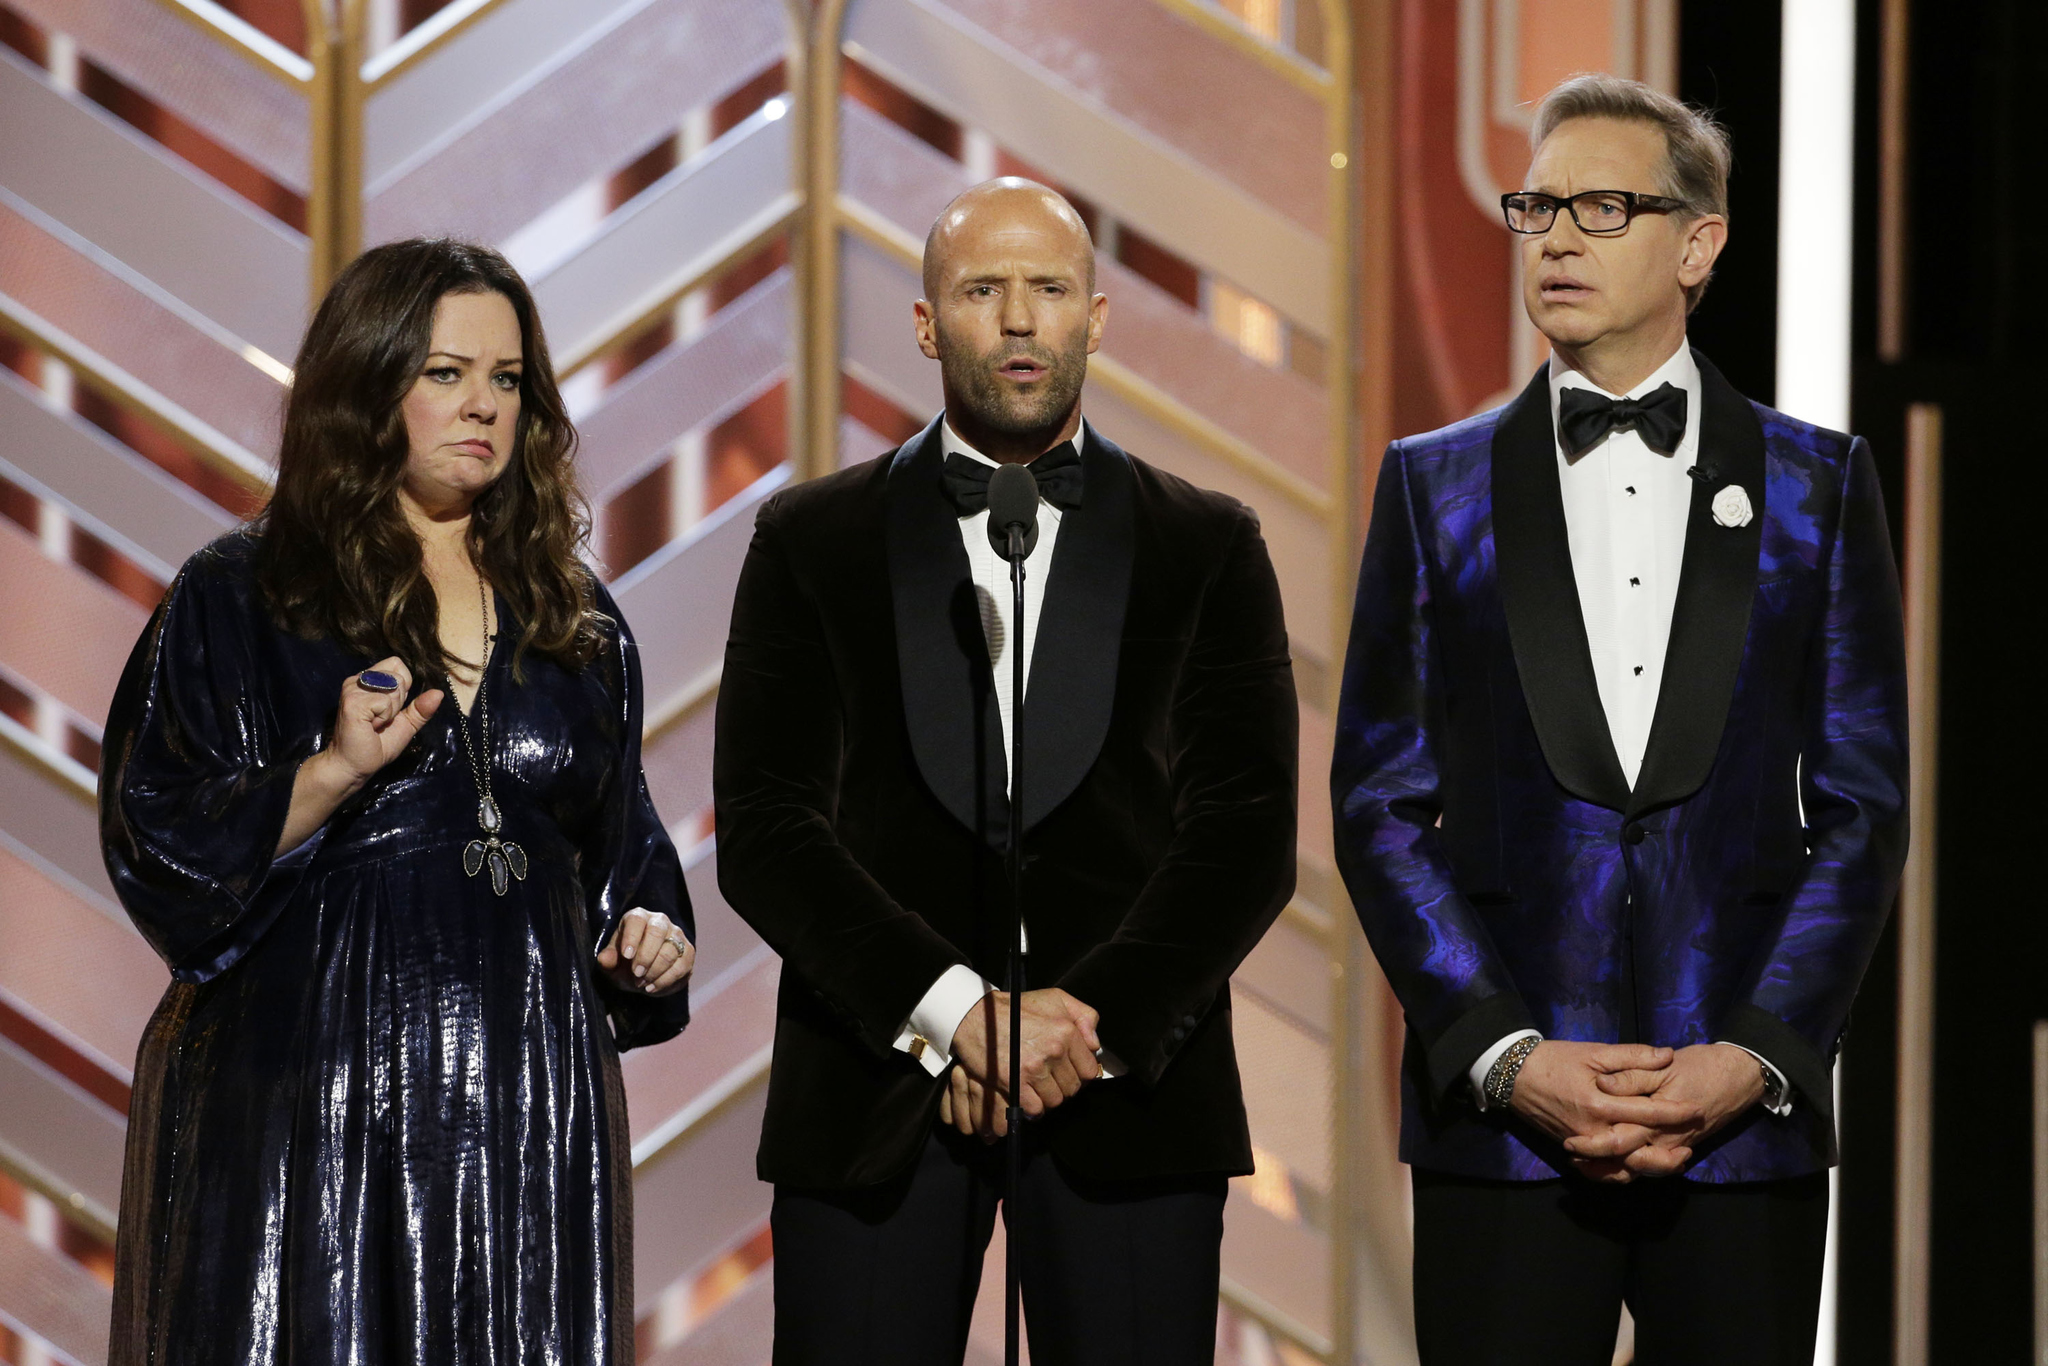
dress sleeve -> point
(196, 774)
(643, 868)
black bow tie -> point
(1583, 417)
(1058, 473)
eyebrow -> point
(457, 355)
(1036, 278)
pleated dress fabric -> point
(378, 1116)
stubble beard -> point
(997, 406)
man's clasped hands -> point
(1620, 1110)
(1629, 1110)
(1056, 1057)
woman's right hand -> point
(371, 728)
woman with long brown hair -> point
(372, 788)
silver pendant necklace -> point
(505, 859)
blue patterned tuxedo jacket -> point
(1506, 875)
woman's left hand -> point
(649, 953)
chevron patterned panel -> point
(633, 157)
(643, 162)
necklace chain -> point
(480, 772)
(505, 859)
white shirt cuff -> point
(1783, 1107)
(1489, 1058)
(928, 1034)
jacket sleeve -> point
(196, 776)
(642, 869)
(1230, 866)
(1795, 1002)
(1385, 787)
(775, 776)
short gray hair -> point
(1697, 155)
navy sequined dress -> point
(378, 1116)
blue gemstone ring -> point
(376, 680)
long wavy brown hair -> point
(335, 555)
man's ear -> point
(927, 322)
(1098, 319)
(1704, 241)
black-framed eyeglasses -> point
(1602, 213)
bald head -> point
(1011, 314)
(1005, 214)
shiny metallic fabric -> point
(378, 1116)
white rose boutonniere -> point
(1731, 507)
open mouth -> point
(1021, 368)
(1564, 290)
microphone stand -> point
(1014, 1177)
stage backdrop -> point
(719, 204)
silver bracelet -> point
(1506, 1069)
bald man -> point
(863, 804)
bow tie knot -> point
(1584, 417)
(1058, 473)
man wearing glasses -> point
(1620, 791)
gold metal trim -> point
(76, 1205)
(212, 448)
(1311, 920)
(748, 1076)
(334, 202)
(817, 394)
(737, 246)
(35, 758)
(1274, 1320)
(1154, 402)
(423, 42)
(1914, 1178)
(695, 696)
(245, 40)
(1893, 175)
(1297, 70)
(1349, 1036)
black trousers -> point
(1535, 1273)
(1121, 1274)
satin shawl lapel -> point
(1710, 620)
(1072, 688)
(1540, 593)
(949, 704)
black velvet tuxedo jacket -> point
(862, 803)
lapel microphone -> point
(1013, 511)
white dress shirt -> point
(928, 1034)
(1625, 509)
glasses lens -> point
(1530, 213)
(1601, 212)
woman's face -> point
(462, 412)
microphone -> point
(1013, 531)
(1012, 511)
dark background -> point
(1977, 308)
